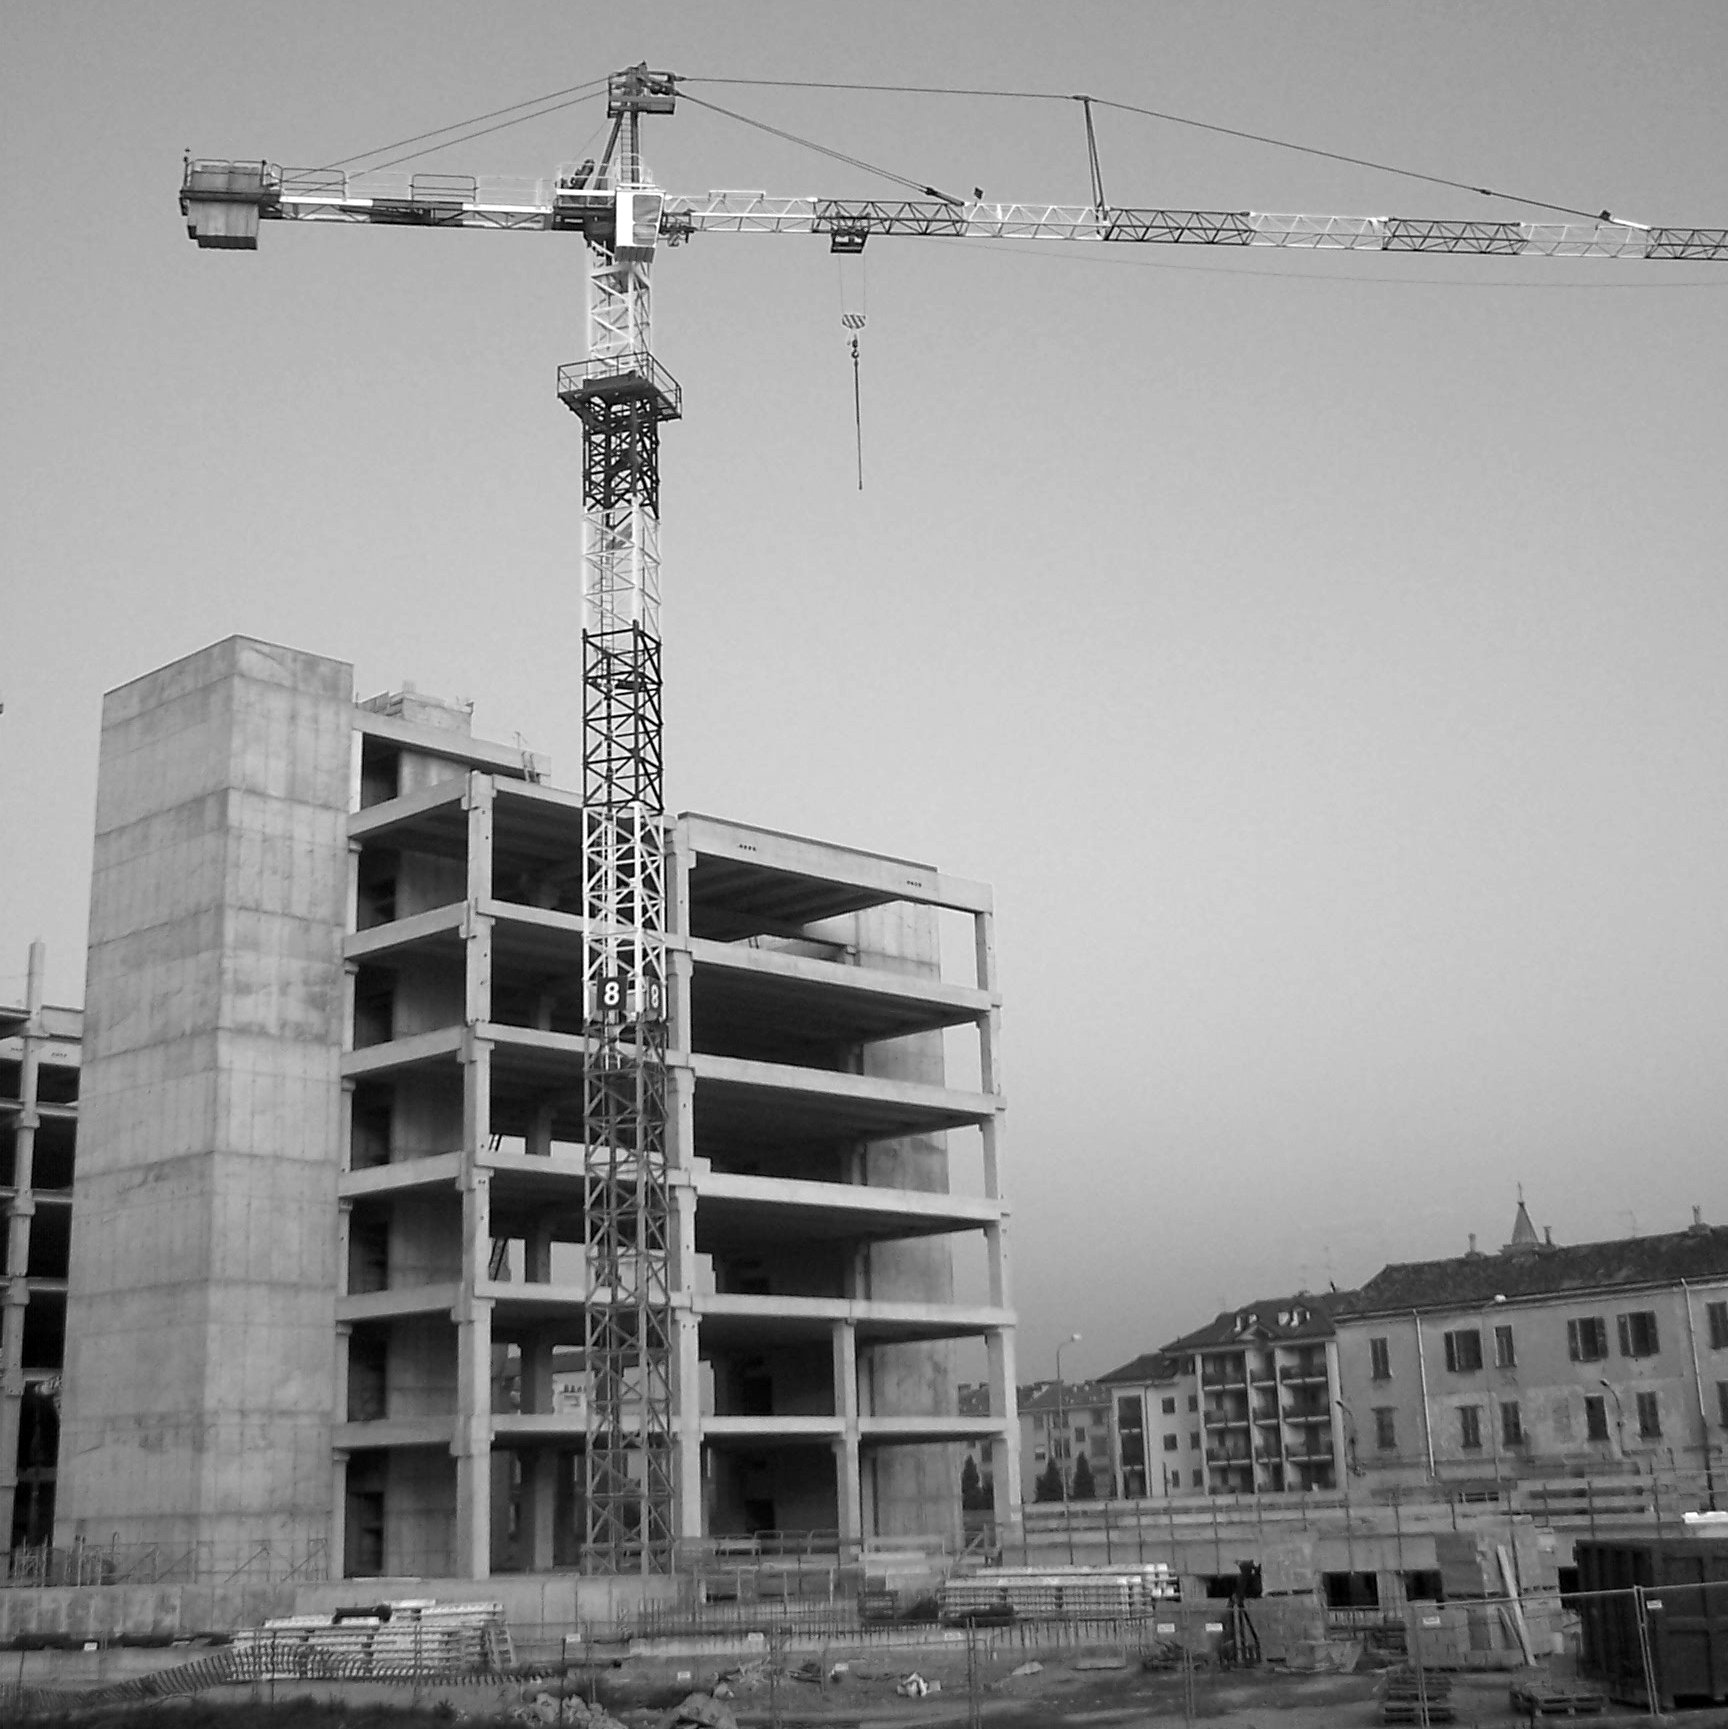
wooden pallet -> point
(1414, 1711)
(1546, 1699)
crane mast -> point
(622, 396)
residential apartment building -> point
(1063, 1422)
(1157, 1438)
(329, 1259)
(1541, 1360)
(1269, 1387)
(39, 1074)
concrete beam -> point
(459, 747)
(404, 1300)
(377, 820)
(435, 1171)
(893, 879)
(394, 1432)
(440, 1043)
(737, 1319)
(836, 1210)
(439, 922)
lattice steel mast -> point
(621, 396)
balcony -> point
(1303, 1374)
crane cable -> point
(821, 149)
(567, 98)
(1172, 119)
(853, 321)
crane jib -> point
(224, 203)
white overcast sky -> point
(1322, 655)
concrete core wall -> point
(199, 1395)
(908, 1490)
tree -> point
(1084, 1487)
(974, 1497)
(1049, 1484)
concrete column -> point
(337, 1566)
(471, 1441)
(687, 1511)
(537, 1372)
(848, 1491)
(537, 1253)
(1005, 1447)
(15, 1250)
(538, 1141)
(540, 1481)
(989, 1048)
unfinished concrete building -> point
(39, 1052)
(328, 1244)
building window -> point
(1587, 1339)
(1470, 1428)
(1385, 1428)
(1505, 1354)
(1194, 1440)
(1080, 1433)
(1193, 1401)
(1199, 1479)
(1171, 1443)
(1595, 1418)
(1722, 1403)
(1717, 1315)
(1168, 1406)
(1464, 1351)
(1511, 1424)
(1379, 1359)
(1038, 1455)
(1638, 1334)
(1649, 1416)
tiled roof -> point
(974, 1400)
(1075, 1395)
(1278, 1320)
(1148, 1367)
(1547, 1270)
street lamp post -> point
(1059, 1451)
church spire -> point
(1523, 1232)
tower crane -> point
(622, 396)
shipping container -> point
(1664, 1599)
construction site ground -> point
(1071, 1690)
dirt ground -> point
(1061, 1693)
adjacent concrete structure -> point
(39, 1056)
(327, 1251)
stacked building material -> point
(1057, 1593)
(415, 1637)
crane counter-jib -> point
(224, 203)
